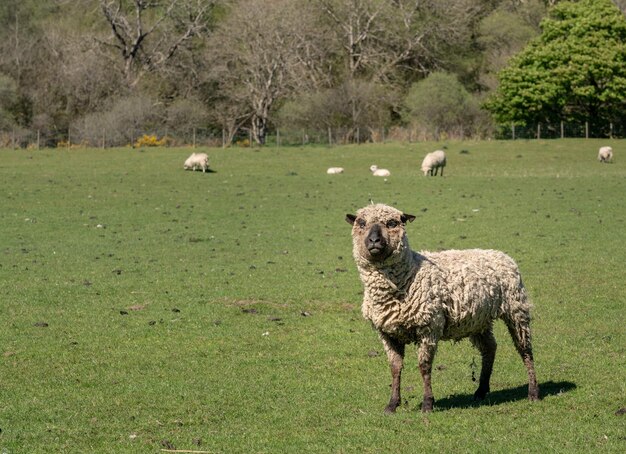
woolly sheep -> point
(379, 172)
(197, 160)
(334, 170)
(605, 154)
(433, 161)
(422, 298)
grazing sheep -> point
(425, 297)
(605, 154)
(433, 161)
(334, 170)
(379, 172)
(197, 161)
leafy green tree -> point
(575, 71)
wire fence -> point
(562, 130)
(138, 137)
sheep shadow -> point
(200, 170)
(502, 396)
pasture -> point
(146, 308)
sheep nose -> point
(375, 238)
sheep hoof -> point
(390, 409)
(427, 404)
(533, 395)
(480, 394)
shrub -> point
(353, 106)
(441, 103)
(150, 141)
(119, 123)
(243, 143)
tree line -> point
(100, 70)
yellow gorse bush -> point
(150, 141)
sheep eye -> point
(392, 223)
(361, 223)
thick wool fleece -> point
(449, 294)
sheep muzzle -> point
(375, 242)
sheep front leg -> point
(395, 355)
(426, 355)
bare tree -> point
(377, 37)
(357, 25)
(356, 107)
(502, 34)
(148, 33)
(261, 52)
(390, 42)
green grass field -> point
(145, 308)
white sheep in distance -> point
(433, 162)
(422, 298)
(379, 172)
(605, 154)
(334, 170)
(197, 161)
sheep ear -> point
(350, 218)
(407, 218)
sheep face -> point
(378, 234)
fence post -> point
(194, 137)
(562, 131)
(610, 130)
(277, 137)
(330, 137)
(104, 138)
(38, 137)
(586, 130)
(223, 138)
(69, 138)
(538, 131)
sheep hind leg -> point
(520, 332)
(486, 345)
(395, 355)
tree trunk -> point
(259, 129)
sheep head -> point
(378, 234)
